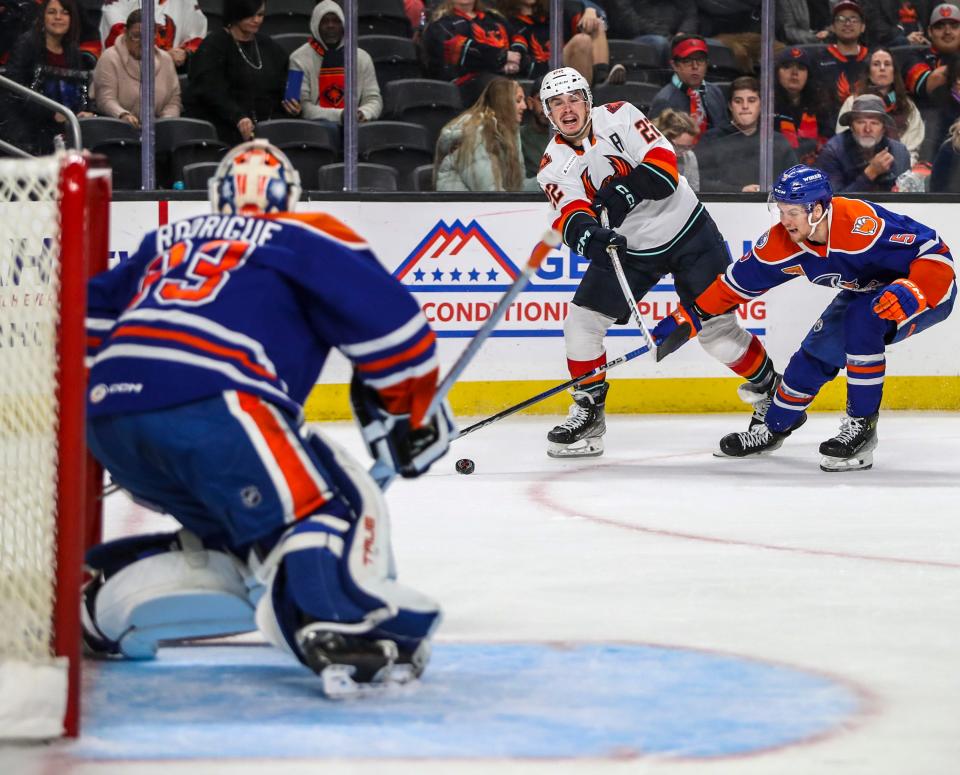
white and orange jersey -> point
(621, 139)
(179, 23)
(867, 248)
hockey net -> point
(53, 227)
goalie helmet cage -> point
(54, 228)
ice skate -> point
(759, 440)
(581, 434)
(759, 398)
(852, 448)
(349, 665)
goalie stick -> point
(381, 471)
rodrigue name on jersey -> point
(621, 139)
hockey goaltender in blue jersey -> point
(273, 305)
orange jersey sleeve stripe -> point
(195, 342)
(719, 298)
(933, 278)
(569, 210)
(663, 160)
(411, 352)
(307, 497)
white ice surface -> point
(854, 575)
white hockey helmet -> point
(564, 80)
(252, 179)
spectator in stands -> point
(803, 110)
(116, 78)
(322, 62)
(47, 60)
(864, 159)
(468, 42)
(883, 79)
(584, 32)
(480, 149)
(682, 132)
(652, 22)
(687, 90)
(945, 176)
(729, 156)
(926, 72)
(735, 24)
(535, 132)
(944, 113)
(793, 23)
(238, 75)
(896, 22)
(844, 60)
(180, 26)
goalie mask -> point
(565, 80)
(254, 178)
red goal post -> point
(54, 233)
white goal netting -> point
(29, 282)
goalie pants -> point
(244, 476)
(848, 335)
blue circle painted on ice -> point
(507, 700)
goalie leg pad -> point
(183, 593)
(723, 338)
(330, 574)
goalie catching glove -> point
(899, 300)
(390, 438)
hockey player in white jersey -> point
(205, 345)
(612, 158)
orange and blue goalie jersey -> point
(868, 248)
(254, 304)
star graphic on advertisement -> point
(419, 275)
(474, 275)
(437, 275)
(492, 275)
(455, 275)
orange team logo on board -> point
(865, 224)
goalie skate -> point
(581, 434)
(353, 667)
(852, 448)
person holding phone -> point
(321, 63)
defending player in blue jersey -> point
(896, 278)
(205, 345)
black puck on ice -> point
(465, 466)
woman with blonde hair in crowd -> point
(682, 131)
(883, 79)
(945, 176)
(480, 149)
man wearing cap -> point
(844, 61)
(688, 91)
(864, 159)
(927, 71)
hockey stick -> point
(382, 472)
(625, 288)
(575, 382)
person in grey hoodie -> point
(322, 62)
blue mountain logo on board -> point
(457, 256)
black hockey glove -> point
(595, 240)
(390, 439)
(618, 197)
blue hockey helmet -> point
(803, 185)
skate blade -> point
(583, 448)
(834, 465)
(337, 681)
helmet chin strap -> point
(813, 224)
